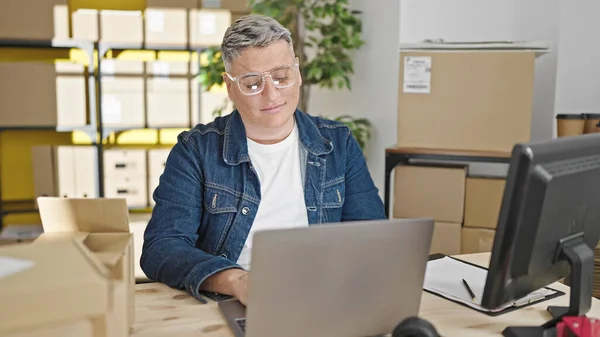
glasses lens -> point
(251, 84)
(283, 77)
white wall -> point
(578, 83)
(375, 82)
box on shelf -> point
(102, 226)
(34, 19)
(167, 21)
(477, 240)
(168, 93)
(209, 101)
(125, 176)
(43, 94)
(65, 171)
(123, 101)
(483, 200)
(430, 191)
(157, 159)
(466, 96)
(55, 289)
(108, 26)
(208, 26)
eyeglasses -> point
(254, 83)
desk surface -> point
(161, 311)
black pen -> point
(469, 290)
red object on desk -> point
(578, 326)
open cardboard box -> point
(54, 289)
(102, 226)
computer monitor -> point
(549, 225)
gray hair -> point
(252, 31)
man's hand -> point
(239, 284)
(233, 282)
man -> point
(266, 165)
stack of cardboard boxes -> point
(472, 98)
(130, 90)
(70, 172)
(76, 279)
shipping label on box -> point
(208, 26)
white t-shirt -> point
(282, 194)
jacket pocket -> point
(333, 201)
(220, 207)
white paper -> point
(207, 24)
(417, 74)
(111, 109)
(21, 232)
(444, 276)
(155, 20)
(10, 266)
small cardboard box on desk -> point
(54, 289)
(102, 226)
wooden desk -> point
(161, 311)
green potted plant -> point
(324, 33)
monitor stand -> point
(581, 259)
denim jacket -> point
(208, 195)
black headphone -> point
(415, 327)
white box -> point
(157, 159)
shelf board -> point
(53, 44)
(18, 207)
(105, 47)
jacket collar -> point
(235, 145)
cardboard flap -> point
(108, 247)
(93, 215)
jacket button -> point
(245, 210)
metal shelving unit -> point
(96, 131)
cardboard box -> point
(446, 238)
(167, 21)
(477, 240)
(430, 191)
(43, 94)
(102, 226)
(483, 200)
(34, 19)
(108, 26)
(209, 102)
(125, 176)
(465, 99)
(208, 26)
(65, 171)
(168, 94)
(157, 159)
(55, 285)
(123, 102)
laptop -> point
(337, 280)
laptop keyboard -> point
(242, 323)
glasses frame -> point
(295, 65)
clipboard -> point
(512, 308)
